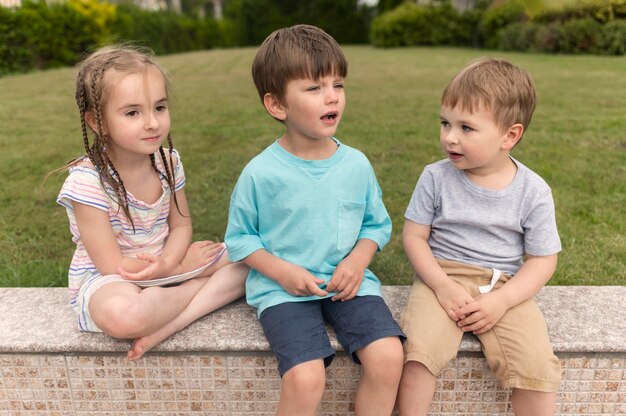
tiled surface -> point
(241, 384)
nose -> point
(151, 120)
(332, 96)
(448, 137)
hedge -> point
(597, 26)
(39, 35)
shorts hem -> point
(423, 359)
(364, 342)
(326, 354)
(533, 385)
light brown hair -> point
(296, 52)
(495, 85)
(92, 91)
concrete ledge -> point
(39, 320)
(222, 363)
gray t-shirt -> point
(488, 228)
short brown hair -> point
(496, 85)
(296, 52)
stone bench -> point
(222, 365)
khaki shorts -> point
(517, 348)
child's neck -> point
(496, 177)
(309, 149)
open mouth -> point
(454, 155)
(329, 116)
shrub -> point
(519, 36)
(612, 38)
(578, 36)
(411, 24)
(15, 55)
(497, 17)
(56, 34)
(164, 31)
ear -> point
(91, 121)
(512, 136)
(274, 107)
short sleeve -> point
(179, 171)
(422, 207)
(541, 237)
(242, 232)
(376, 224)
(83, 185)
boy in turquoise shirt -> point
(307, 216)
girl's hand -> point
(299, 282)
(156, 267)
(453, 297)
(199, 254)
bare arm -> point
(294, 279)
(451, 295)
(100, 242)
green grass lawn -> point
(577, 142)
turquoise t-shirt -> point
(308, 212)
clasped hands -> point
(345, 281)
(155, 266)
(477, 315)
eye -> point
(466, 128)
(444, 123)
(161, 108)
(132, 113)
(313, 88)
(339, 85)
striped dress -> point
(151, 228)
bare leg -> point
(301, 390)
(225, 286)
(417, 388)
(123, 310)
(535, 403)
(382, 368)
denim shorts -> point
(296, 331)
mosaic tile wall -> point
(246, 385)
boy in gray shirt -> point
(482, 237)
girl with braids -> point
(128, 213)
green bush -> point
(56, 35)
(164, 31)
(519, 36)
(602, 11)
(411, 24)
(578, 36)
(39, 35)
(612, 38)
(15, 55)
(496, 18)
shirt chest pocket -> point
(350, 220)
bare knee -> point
(120, 316)
(305, 380)
(382, 360)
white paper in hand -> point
(179, 277)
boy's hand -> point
(453, 298)
(200, 253)
(482, 314)
(346, 279)
(299, 282)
